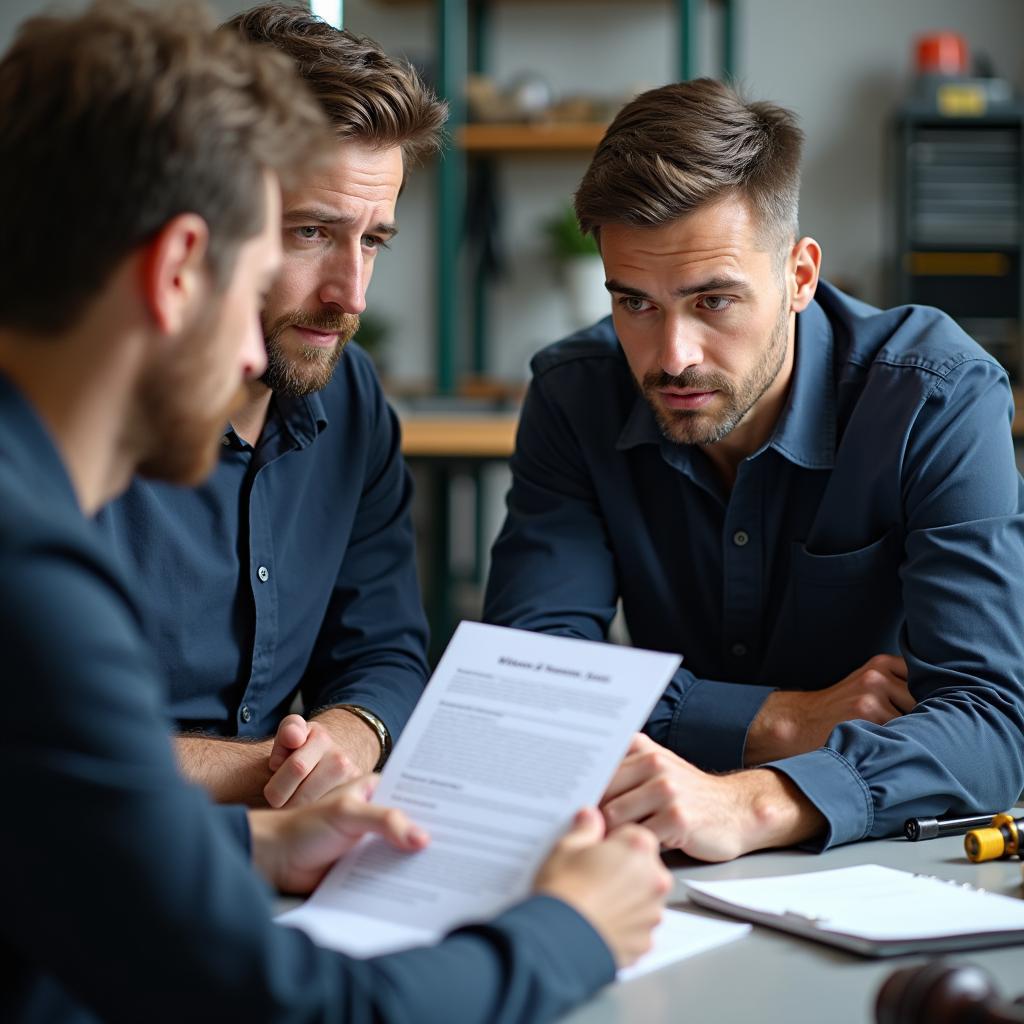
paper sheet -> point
(515, 732)
(681, 935)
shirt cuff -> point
(564, 940)
(710, 723)
(836, 789)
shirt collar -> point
(304, 418)
(806, 431)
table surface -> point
(771, 976)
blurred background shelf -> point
(473, 436)
(530, 138)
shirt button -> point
(264, 573)
(739, 650)
(245, 714)
(740, 537)
(226, 441)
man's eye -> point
(374, 242)
(307, 232)
(715, 303)
(634, 304)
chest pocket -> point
(848, 604)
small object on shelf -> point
(581, 267)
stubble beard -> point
(293, 373)
(696, 426)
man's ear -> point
(174, 271)
(802, 271)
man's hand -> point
(793, 722)
(307, 760)
(297, 766)
(617, 882)
(293, 849)
(709, 817)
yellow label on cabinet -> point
(961, 100)
(958, 264)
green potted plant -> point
(580, 263)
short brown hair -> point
(367, 95)
(686, 145)
(117, 120)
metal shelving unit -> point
(463, 34)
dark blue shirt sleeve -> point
(961, 750)
(371, 648)
(137, 899)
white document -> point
(515, 732)
(681, 935)
(873, 910)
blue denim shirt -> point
(884, 514)
(292, 567)
(130, 897)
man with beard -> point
(293, 570)
(814, 501)
(125, 333)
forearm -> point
(233, 771)
(775, 811)
(775, 731)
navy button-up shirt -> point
(292, 568)
(884, 514)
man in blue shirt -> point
(293, 569)
(123, 342)
(814, 501)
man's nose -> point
(344, 283)
(680, 349)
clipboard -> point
(871, 910)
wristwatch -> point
(381, 730)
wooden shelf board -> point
(472, 436)
(531, 138)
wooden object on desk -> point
(469, 436)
